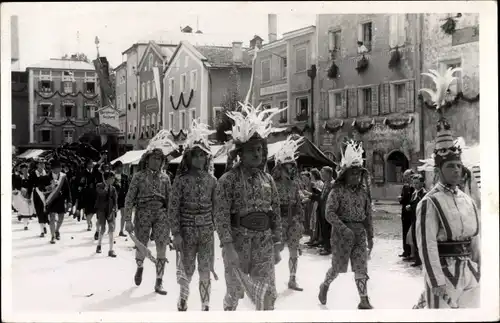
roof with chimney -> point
(214, 56)
(162, 51)
(63, 64)
(168, 37)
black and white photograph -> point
(304, 161)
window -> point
(455, 86)
(130, 127)
(284, 65)
(334, 40)
(46, 110)
(334, 104)
(68, 111)
(46, 86)
(365, 35)
(153, 89)
(365, 101)
(186, 61)
(301, 59)
(400, 97)
(302, 109)
(45, 135)
(397, 30)
(148, 90)
(171, 86)
(183, 83)
(193, 80)
(143, 91)
(378, 167)
(68, 136)
(217, 115)
(182, 120)
(68, 87)
(90, 87)
(88, 111)
(283, 114)
(266, 70)
(150, 63)
(192, 116)
(171, 121)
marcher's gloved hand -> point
(370, 244)
(231, 255)
(129, 226)
(277, 253)
(439, 291)
(178, 242)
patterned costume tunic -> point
(444, 217)
(238, 194)
(292, 212)
(351, 209)
(148, 193)
(190, 214)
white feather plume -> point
(442, 83)
(288, 150)
(162, 141)
(198, 136)
(353, 155)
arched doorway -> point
(397, 163)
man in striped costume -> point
(190, 214)
(447, 232)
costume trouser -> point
(256, 255)
(406, 224)
(152, 223)
(462, 284)
(292, 230)
(197, 245)
(355, 251)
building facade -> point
(20, 109)
(282, 78)
(441, 51)
(63, 97)
(367, 66)
(195, 81)
(121, 95)
(155, 56)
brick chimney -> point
(272, 27)
(237, 52)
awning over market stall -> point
(31, 153)
(130, 157)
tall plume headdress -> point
(198, 136)
(160, 145)
(288, 151)
(446, 148)
(251, 122)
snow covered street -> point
(70, 276)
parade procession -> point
(209, 187)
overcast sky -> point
(49, 30)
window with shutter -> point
(386, 103)
(375, 100)
(364, 101)
(365, 35)
(300, 59)
(410, 89)
(67, 87)
(353, 102)
(266, 70)
(45, 135)
(344, 107)
(399, 97)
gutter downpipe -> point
(418, 79)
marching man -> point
(292, 213)
(448, 224)
(148, 193)
(349, 211)
(191, 213)
(247, 209)
(59, 197)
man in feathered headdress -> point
(292, 213)
(447, 226)
(247, 210)
(148, 193)
(191, 213)
(349, 211)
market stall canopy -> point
(130, 157)
(31, 153)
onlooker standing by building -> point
(121, 184)
(418, 182)
(326, 227)
(404, 200)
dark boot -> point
(45, 230)
(182, 305)
(53, 240)
(98, 249)
(292, 284)
(205, 308)
(159, 287)
(138, 273)
(58, 235)
(364, 304)
(323, 293)
(96, 235)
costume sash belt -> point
(454, 249)
(55, 193)
(256, 221)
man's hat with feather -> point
(446, 148)
(288, 150)
(352, 157)
(198, 137)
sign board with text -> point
(109, 116)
